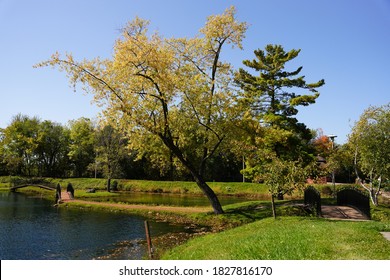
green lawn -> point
(291, 238)
(178, 187)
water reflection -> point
(167, 199)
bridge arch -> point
(356, 198)
(47, 187)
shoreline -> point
(191, 226)
(198, 220)
(171, 214)
(137, 207)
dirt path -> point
(342, 213)
(328, 211)
(65, 196)
(175, 209)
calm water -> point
(168, 199)
(31, 228)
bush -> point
(380, 213)
(327, 191)
(114, 186)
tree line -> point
(84, 148)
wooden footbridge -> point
(21, 182)
(43, 184)
(46, 187)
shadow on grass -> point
(248, 212)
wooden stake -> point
(148, 240)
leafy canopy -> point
(370, 139)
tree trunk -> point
(212, 197)
(374, 196)
(109, 184)
(273, 206)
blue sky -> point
(345, 42)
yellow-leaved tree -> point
(174, 91)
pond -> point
(32, 229)
(185, 200)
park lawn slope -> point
(291, 238)
(178, 187)
(175, 187)
(81, 185)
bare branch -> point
(89, 73)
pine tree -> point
(272, 96)
(278, 152)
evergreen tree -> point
(277, 145)
(272, 97)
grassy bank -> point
(175, 187)
(246, 230)
(290, 238)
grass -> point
(80, 185)
(184, 187)
(290, 238)
(380, 213)
(157, 186)
(38, 192)
(246, 230)
(176, 187)
(247, 212)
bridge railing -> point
(354, 197)
(312, 198)
(21, 181)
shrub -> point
(114, 186)
(327, 191)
